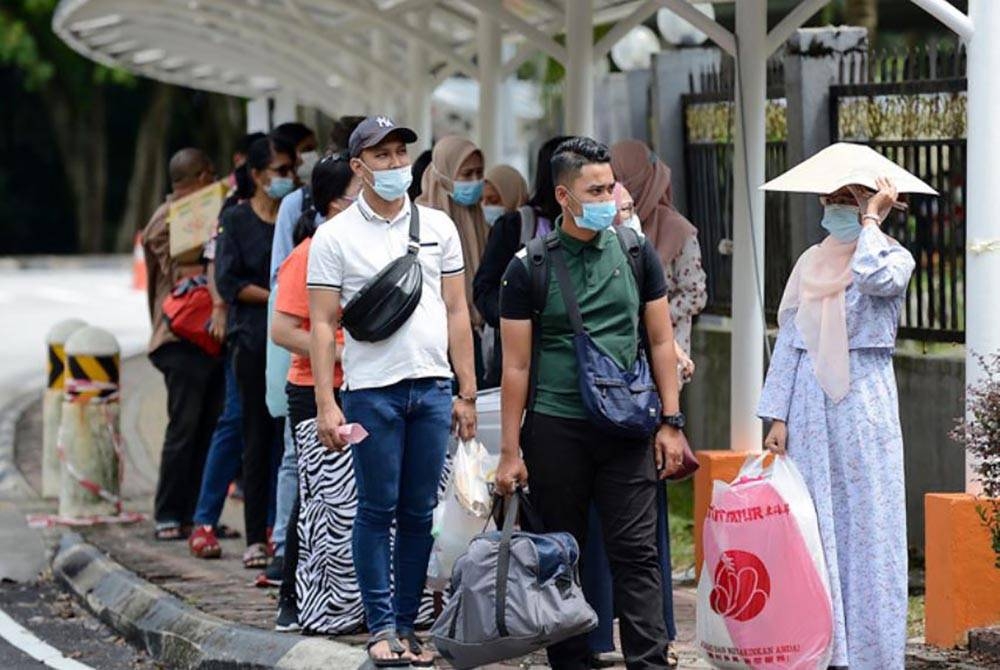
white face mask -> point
(492, 213)
(309, 160)
(633, 223)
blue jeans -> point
(224, 455)
(287, 489)
(397, 469)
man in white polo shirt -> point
(400, 388)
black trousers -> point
(195, 389)
(571, 464)
(261, 442)
(301, 407)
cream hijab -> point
(438, 183)
(815, 294)
(510, 185)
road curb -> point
(13, 485)
(179, 635)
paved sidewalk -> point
(222, 588)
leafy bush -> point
(979, 433)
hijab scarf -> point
(438, 183)
(510, 185)
(647, 178)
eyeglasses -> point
(627, 210)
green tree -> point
(74, 92)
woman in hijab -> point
(453, 183)
(831, 398)
(647, 179)
(504, 192)
(508, 233)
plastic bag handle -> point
(753, 466)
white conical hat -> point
(842, 164)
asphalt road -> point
(31, 301)
(62, 626)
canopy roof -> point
(314, 51)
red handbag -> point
(188, 312)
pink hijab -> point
(647, 178)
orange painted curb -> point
(716, 464)
(963, 585)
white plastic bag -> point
(474, 468)
(764, 593)
(462, 513)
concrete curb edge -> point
(13, 484)
(177, 634)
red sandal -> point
(204, 544)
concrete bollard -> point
(52, 401)
(89, 432)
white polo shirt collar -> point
(372, 216)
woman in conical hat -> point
(830, 396)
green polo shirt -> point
(609, 306)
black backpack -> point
(538, 270)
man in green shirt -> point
(565, 457)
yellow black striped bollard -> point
(52, 401)
(90, 433)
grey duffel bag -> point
(512, 593)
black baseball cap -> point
(373, 130)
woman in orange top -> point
(334, 188)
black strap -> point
(307, 200)
(503, 562)
(566, 288)
(413, 247)
(631, 245)
(538, 272)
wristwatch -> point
(673, 420)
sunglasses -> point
(282, 170)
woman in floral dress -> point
(831, 398)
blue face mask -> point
(280, 187)
(391, 184)
(467, 193)
(596, 215)
(841, 221)
(492, 213)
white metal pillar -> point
(578, 91)
(419, 95)
(380, 98)
(258, 116)
(747, 363)
(982, 270)
(490, 68)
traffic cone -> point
(139, 276)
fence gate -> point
(912, 108)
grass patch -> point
(915, 617)
(680, 513)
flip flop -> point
(416, 646)
(395, 647)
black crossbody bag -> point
(388, 299)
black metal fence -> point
(708, 144)
(909, 106)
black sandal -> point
(169, 531)
(416, 646)
(395, 647)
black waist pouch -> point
(388, 299)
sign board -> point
(192, 219)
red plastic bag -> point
(188, 311)
(764, 593)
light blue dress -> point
(851, 456)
